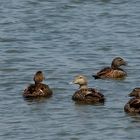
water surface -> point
(65, 38)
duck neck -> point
(83, 86)
(37, 83)
(114, 66)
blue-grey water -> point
(64, 38)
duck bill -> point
(72, 82)
(131, 94)
(125, 63)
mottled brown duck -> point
(133, 105)
(113, 72)
(85, 94)
(38, 89)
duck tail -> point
(96, 77)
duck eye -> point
(80, 77)
(135, 89)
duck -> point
(85, 94)
(38, 89)
(113, 72)
(133, 105)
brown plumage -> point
(38, 89)
(38, 77)
(133, 105)
(85, 94)
(113, 72)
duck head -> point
(38, 77)
(81, 81)
(117, 62)
(135, 92)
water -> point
(65, 38)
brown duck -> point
(85, 94)
(38, 89)
(113, 72)
(133, 105)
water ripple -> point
(65, 38)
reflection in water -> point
(92, 1)
(36, 100)
(134, 116)
(105, 1)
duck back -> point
(133, 106)
(36, 90)
(89, 95)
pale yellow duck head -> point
(81, 81)
(135, 92)
(38, 77)
(117, 62)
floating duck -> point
(85, 94)
(133, 105)
(38, 89)
(113, 72)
